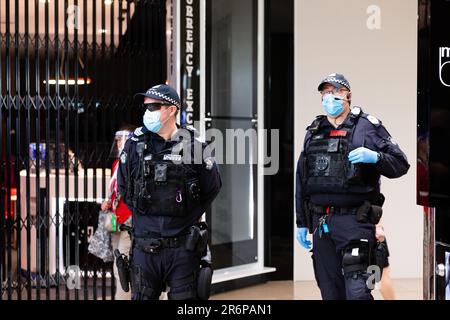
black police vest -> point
(165, 186)
(326, 166)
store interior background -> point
(381, 66)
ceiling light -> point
(70, 82)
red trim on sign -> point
(338, 133)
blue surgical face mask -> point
(152, 121)
(333, 105)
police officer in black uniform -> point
(338, 196)
(168, 185)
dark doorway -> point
(279, 115)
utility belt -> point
(322, 210)
(195, 240)
(368, 212)
(154, 245)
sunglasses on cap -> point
(155, 106)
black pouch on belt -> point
(363, 213)
(369, 213)
(202, 243)
(382, 255)
(192, 238)
(376, 213)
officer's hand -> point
(363, 155)
(379, 233)
(106, 205)
(301, 238)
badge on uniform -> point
(318, 137)
(322, 163)
(123, 158)
(173, 157)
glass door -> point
(231, 107)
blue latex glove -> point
(301, 238)
(363, 155)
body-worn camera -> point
(161, 173)
(156, 172)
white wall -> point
(381, 66)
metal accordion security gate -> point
(69, 70)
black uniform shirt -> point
(369, 133)
(144, 225)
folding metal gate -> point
(69, 70)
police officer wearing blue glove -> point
(168, 192)
(338, 196)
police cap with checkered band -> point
(337, 80)
(161, 92)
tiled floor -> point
(406, 289)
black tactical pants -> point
(328, 258)
(174, 267)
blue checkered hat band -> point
(335, 80)
(164, 97)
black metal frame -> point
(74, 119)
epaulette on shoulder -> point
(356, 111)
(377, 123)
(138, 134)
